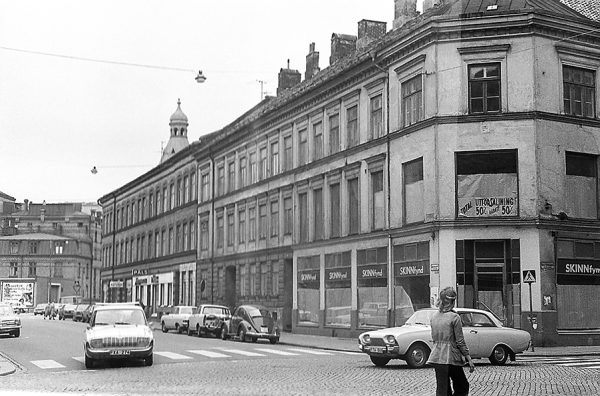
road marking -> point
(579, 363)
(350, 353)
(80, 359)
(209, 354)
(241, 352)
(276, 352)
(47, 364)
(593, 367)
(173, 355)
(310, 351)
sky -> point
(87, 83)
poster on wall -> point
(18, 294)
(487, 195)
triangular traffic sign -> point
(529, 277)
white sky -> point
(60, 116)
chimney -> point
(342, 45)
(288, 78)
(26, 204)
(369, 31)
(404, 11)
(427, 4)
(312, 62)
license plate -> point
(264, 329)
(120, 352)
(375, 349)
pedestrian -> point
(449, 348)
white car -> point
(10, 323)
(118, 331)
(484, 334)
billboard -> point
(18, 293)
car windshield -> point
(261, 317)
(119, 317)
(422, 317)
(186, 310)
(214, 310)
(6, 310)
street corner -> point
(6, 366)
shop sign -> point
(579, 267)
(138, 272)
(115, 284)
(411, 269)
(372, 271)
(308, 279)
(154, 279)
(141, 281)
(337, 277)
(487, 206)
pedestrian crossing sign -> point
(529, 276)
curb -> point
(6, 366)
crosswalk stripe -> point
(173, 355)
(578, 364)
(209, 354)
(593, 367)
(47, 364)
(310, 351)
(241, 352)
(80, 359)
(276, 352)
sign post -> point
(529, 278)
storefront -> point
(154, 291)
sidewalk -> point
(6, 366)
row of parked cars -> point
(77, 312)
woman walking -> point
(449, 348)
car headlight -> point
(96, 343)
(389, 339)
(366, 339)
(143, 342)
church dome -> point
(178, 116)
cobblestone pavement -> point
(343, 374)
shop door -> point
(490, 278)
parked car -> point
(118, 331)
(39, 309)
(252, 322)
(484, 334)
(66, 311)
(10, 323)
(209, 319)
(87, 313)
(78, 312)
(177, 318)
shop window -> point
(308, 287)
(484, 88)
(372, 282)
(581, 185)
(487, 184)
(412, 101)
(338, 294)
(411, 279)
(414, 207)
(579, 91)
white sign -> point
(487, 206)
(18, 293)
(529, 276)
(116, 284)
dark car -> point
(78, 313)
(252, 322)
(87, 313)
(66, 311)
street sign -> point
(529, 276)
(116, 284)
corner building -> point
(458, 149)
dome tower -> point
(178, 139)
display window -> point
(411, 279)
(372, 282)
(309, 282)
(338, 292)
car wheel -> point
(254, 339)
(224, 334)
(177, 328)
(273, 340)
(499, 355)
(189, 331)
(89, 362)
(149, 360)
(242, 334)
(17, 333)
(379, 361)
(164, 327)
(417, 356)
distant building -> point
(52, 250)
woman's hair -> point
(447, 299)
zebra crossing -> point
(588, 362)
(204, 354)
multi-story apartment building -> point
(48, 251)
(149, 229)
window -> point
(302, 147)
(484, 88)
(288, 160)
(165, 206)
(186, 237)
(231, 176)
(242, 226)
(303, 216)
(318, 214)
(171, 241)
(180, 198)
(193, 235)
(274, 158)
(243, 279)
(253, 168)
(264, 279)
(262, 222)
(262, 166)
(192, 186)
(581, 185)
(157, 244)
(220, 235)
(288, 220)
(352, 126)
(318, 140)
(372, 282)
(253, 284)
(13, 271)
(14, 247)
(334, 134)
(59, 247)
(157, 203)
(204, 187)
(186, 189)
(412, 101)
(274, 218)
(411, 279)
(33, 247)
(203, 234)
(251, 224)
(275, 278)
(164, 242)
(308, 278)
(32, 272)
(230, 228)
(171, 196)
(179, 239)
(338, 293)
(353, 206)
(336, 219)
(151, 204)
(220, 180)
(58, 270)
(487, 184)
(376, 122)
(243, 176)
(579, 90)
(412, 176)
(377, 200)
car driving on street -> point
(484, 334)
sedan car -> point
(66, 311)
(39, 309)
(208, 319)
(78, 312)
(484, 334)
(252, 322)
(118, 331)
(10, 323)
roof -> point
(6, 196)
(36, 236)
(588, 8)
(56, 209)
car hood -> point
(119, 331)
(400, 331)
(9, 317)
